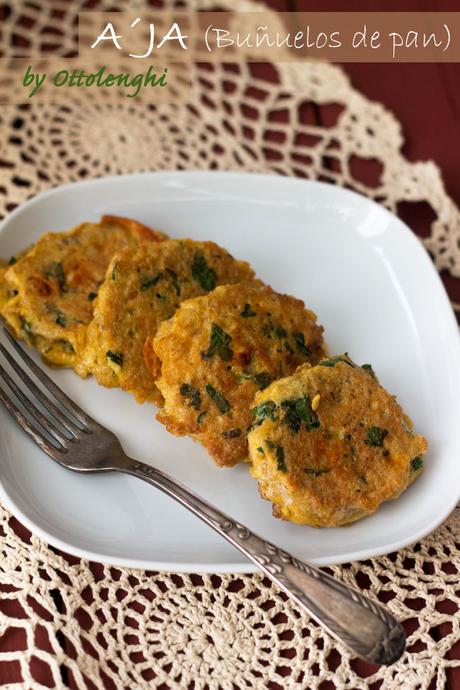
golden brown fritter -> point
(328, 444)
(142, 288)
(5, 291)
(218, 350)
(52, 286)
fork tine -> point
(38, 393)
(31, 429)
(68, 405)
(45, 423)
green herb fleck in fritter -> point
(220, 343)
(247, 311)
(148, 282)
(266, 410)
(59, 316)
(116, 357)
(315, 471)
(416, 463)
(279, 331)
(298, 410)
(221, 403)
(54, 270)
(279, 455)
(376, 436)
(175, 280)
(26, 326)
(271, 331)
(192, 393)
(262, 380)
(205, 275)
(300, 343)
(334, 360)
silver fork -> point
(76, 441)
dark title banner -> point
(276, 37)
(147, 57)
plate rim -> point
(246, 566)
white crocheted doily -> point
(89, 626)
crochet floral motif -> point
(103, 627)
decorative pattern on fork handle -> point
(349, 616)
(89, 447)
(274, 561)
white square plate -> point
(378, 296)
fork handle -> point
(366, 627)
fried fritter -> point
(5, 290)
(51, 288)
(143, 288)
(329, 444)
(217, 351)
